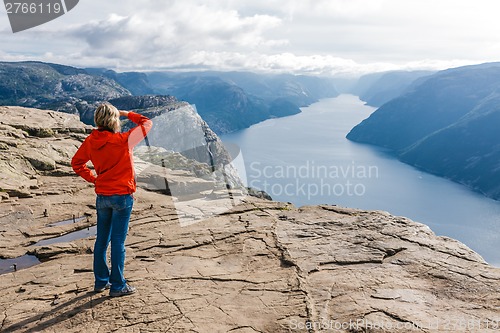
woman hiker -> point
(110, 151)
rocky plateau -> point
(248, 265)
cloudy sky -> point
(335, 37)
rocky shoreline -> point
(260, 266)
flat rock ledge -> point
(261, 266)
(264, 267)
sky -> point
(324, 37)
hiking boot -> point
(127, 290)
(100, 290)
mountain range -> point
(237, 266)
(445, 124)
(56, 87)
(226, 101)
(378, 88)
(442, 122)
(230, 101)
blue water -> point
(15, 264)
(306, 159)
(78, 234)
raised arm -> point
(138, 133)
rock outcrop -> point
(257, 266)
(31, 143)
(181, 140)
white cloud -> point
(313, 36)
(174, 35)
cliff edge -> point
(261, 266)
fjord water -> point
(306, 159)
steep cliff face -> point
(180, 130)
(180, 150)
(257, 266)
(467, 151)
(438, 102)
(444, 125)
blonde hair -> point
(106, 116)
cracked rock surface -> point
(261, 266)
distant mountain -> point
(224, 106)
(56, 87)
(378, 88)
(135, 82)
(467, 151)
(185, 140)
(227, 101)
(301, 90)
(230, 101)
(446, 124)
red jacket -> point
(111, 155)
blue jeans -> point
(113, 215)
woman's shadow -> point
(62, 312)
